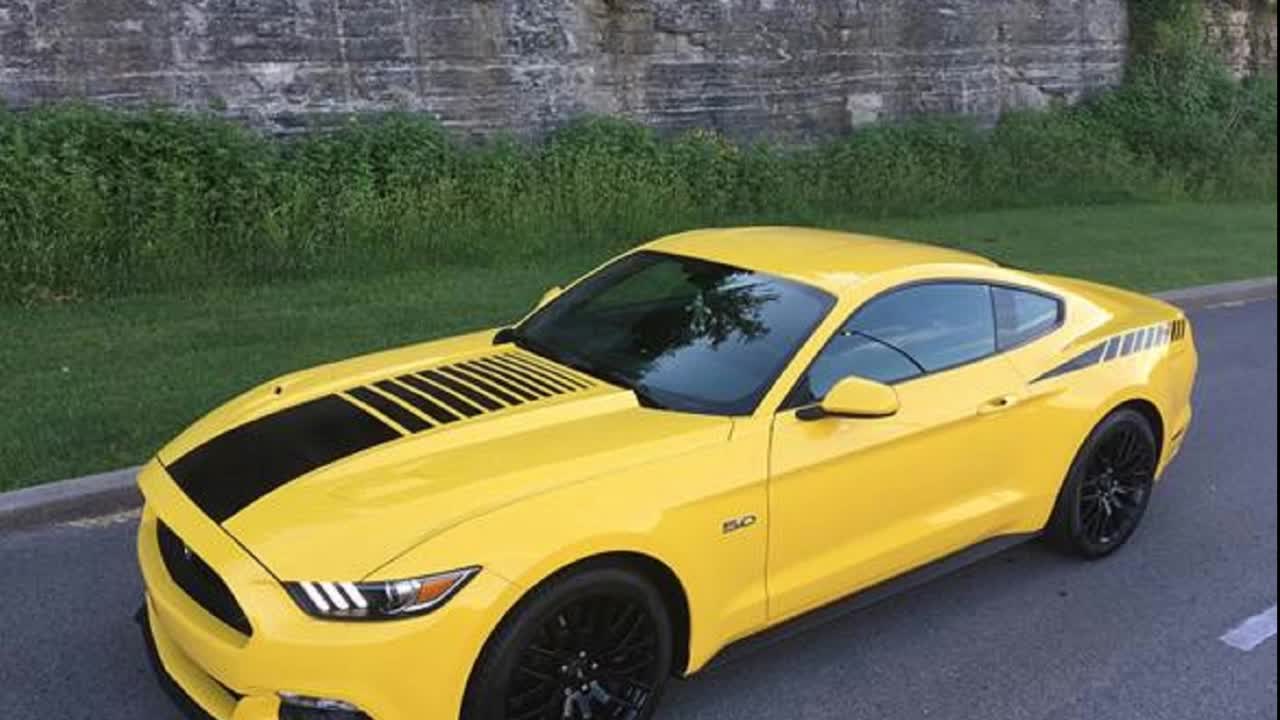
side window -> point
(938, 325)
(852, 354)
(1023, 315)
(905, 334)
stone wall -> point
(794, 68)
(1244, 31)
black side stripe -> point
(1079, 362)
(462, 389)
(1137, 341)
(392, 409)
(457, 404)
(235, 469)
(422, 403)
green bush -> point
(96, 203)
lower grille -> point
(199, 581)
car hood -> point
(329, 474)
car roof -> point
(827, 259)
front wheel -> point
(592, 645)
(1108, 488)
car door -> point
(857, 501)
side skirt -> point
(866, 598)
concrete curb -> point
(110, 492)
(82, 497)
(1205, 295)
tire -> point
(600, 636)
(1108, 488)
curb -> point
(116, 491)
(88, 496)
(1232, 292)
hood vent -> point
(445, 394)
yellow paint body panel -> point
(839, 505)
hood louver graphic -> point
(449, 393)
(235, 469)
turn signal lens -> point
(384, 600)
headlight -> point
(379, 600)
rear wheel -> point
(1108, 487)
(594, 645)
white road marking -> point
(105, 520)
(1238, 303)
(1253, 632)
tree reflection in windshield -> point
(692, 335)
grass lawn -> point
(100, 385)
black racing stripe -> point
(517, 377)
(498, 379)
(551, 369)
(462, 389)
(425, 405)
(1112, 349)
(553, 384)
(392, 409)
(1079, 362)
(456, 403)
(1129, 341)
(457, 371)
(233, 470)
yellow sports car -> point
(707, 436)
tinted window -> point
(905, 334)
(686, 334)
(852, 354)
(1023, 315)
(936, 325)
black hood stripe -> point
(237, 468)
(232, 471)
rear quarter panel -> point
(1114, 347)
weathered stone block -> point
(791, 68)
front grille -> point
(445, 394)
(1179, 330)
(199, 581)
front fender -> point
(672, 511)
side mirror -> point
(855, 397)
(548, 296)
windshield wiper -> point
(643, 394)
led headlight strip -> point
(380, 600)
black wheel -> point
(592, 645)
(1108, 487)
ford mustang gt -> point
(706, 437)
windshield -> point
(685, 334)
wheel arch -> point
(645, 565)
(1151, 412)
(1146, 408)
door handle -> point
(1000, 404)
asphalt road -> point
(1026, 634)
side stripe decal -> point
(1121, 346)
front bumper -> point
(412, 669)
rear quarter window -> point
(1024, 315)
